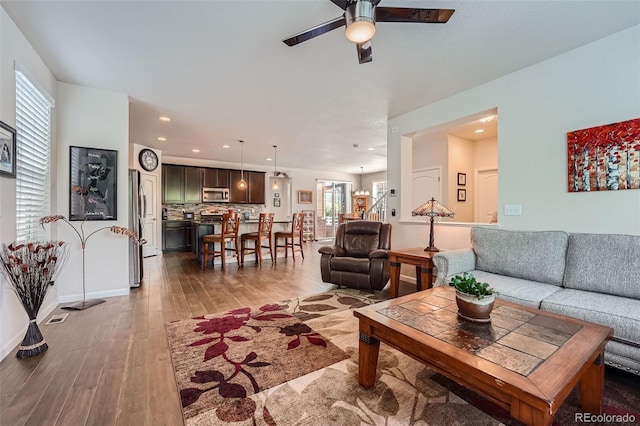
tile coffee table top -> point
(515, 339)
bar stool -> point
(228, 233)
(265, 225)
(290, 238)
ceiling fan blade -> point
(315, 31)
(427, 16)
(342, 4)
(364, 52)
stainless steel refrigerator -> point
(137, 211)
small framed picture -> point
(276, 202)
(462, 195)
(462, 179)
(276, 195)
(304, 197)
(7, 150)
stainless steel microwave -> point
(215, 195)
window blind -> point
(33, 145)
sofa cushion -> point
(516, 290)
(530, 255)
(620, 313)
(604, 263)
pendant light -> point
(242, 184)
(361, 191)
(275, 167)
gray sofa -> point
(594, 277)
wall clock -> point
(148, 160)
(360, 201)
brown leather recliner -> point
(359, 256)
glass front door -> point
(332, 203)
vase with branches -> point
(84, 237)
(30, 269)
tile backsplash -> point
(175, 211)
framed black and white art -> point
(7, 150)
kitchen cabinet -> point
(215, 178)
(172, 184)
(177, 236)
(192, 185)
(256, 187)
(181, 184)
(253, 193)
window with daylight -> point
(33, 143)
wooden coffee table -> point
(526, 360)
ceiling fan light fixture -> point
(361, 25)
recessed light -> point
(164, 118)
(195, 150)
(487, 119)
(269, 159)
(226, 146)
(161, 139)
(371, 148)
(479, 131)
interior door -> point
(486, 198)
(425, 184)
(149, 203)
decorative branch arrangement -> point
(83, 241)
(30, 269)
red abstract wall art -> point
(604, 158)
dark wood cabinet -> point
(192, 185)
(253, 193)
(181, 184)
(177, 236)
(237, 194)
(172, 184)
(215, 178)
(255, 188)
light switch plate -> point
(512, 209)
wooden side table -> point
(423, 261)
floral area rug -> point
(321, 390)
(221, 359)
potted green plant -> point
(474, 299)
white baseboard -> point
(408, 278)
(9, 347)
(94, 295)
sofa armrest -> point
(332, 250)
(453, 262)
(379, 254)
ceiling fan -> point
(360, 17)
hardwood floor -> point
(110, 364)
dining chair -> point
(290, 238)
(228, 234)
(265, 226)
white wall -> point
(98, 119)
(14, 48)
(593, 85)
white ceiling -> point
(219, 70)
